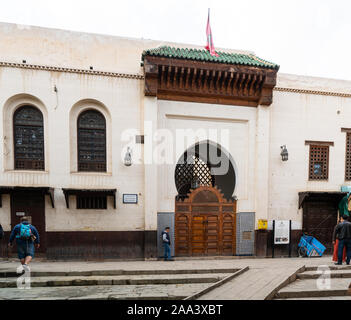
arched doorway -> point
(205, 210)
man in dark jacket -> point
(343, 233)
(25, 244)
(166, 244)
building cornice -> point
(315, 92)
(208, 82)
(71, 70)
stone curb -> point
(317, 275)
(311, 293)
(95, 282)
(345, 267)
(118, 272)
(216, 285)
(284, 283)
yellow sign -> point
(262, 224)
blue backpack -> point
(25, 232)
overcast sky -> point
(309, 37)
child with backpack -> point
(26, 235)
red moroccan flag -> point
(210, 46)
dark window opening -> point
(28, 139)
(91, 141)
(91, 202)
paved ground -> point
(262, 278)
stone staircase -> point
(323, 282)
(114, 284)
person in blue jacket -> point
(26, 236)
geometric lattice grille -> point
(28, 139)
(319, 162)
(348, 157)
(91, 141)
(192, 174)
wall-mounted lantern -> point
(284, 154)
(128, 158)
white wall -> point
(121, 99)
(265, 184)
(295, 118)
(240, 123)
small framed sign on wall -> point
(129, 198)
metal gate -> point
(245, 230)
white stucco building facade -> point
(63, 74)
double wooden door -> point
(319, 220)
(205, 224)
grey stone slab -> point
(102, 292)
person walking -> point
(26, 236)
(343, 234)
(336, 246)
(166, 244)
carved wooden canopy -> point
(193, 75)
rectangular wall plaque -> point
(130, 198)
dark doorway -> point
(32, 204)
(320, 213)
(319, 220)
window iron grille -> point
(28, 139)
(319, 162)
(91, 141)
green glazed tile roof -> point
(204, 55)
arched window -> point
(29, 138)
(91, 141)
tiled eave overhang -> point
(208, 82)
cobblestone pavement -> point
(262, 278)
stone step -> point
(115, 280)
(332, 267)
(333, 274)
(320, 298)
(118, 292)
(9, 274)
(310, 293)
(308, 288)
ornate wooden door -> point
(205, 224)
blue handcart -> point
(310, 247)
